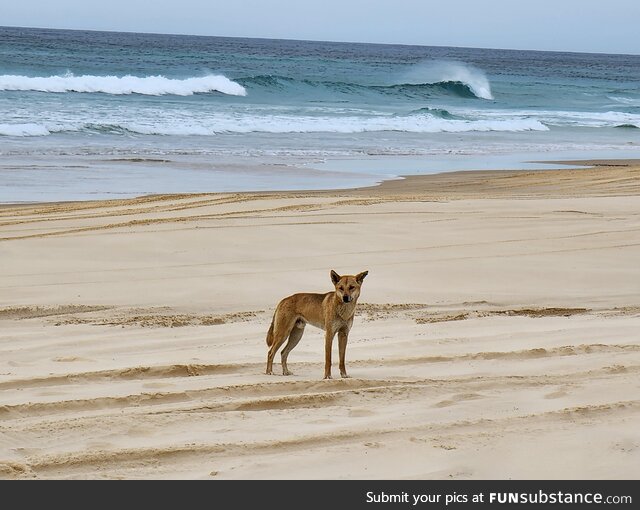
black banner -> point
(330, 494)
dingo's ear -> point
(360, 276)
(335, 277)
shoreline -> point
(459, 183)
(597, 177)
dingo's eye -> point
(351, 287)
(341, 287)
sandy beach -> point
(497, 335)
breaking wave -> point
(281, 84)
(458, 76)
(27, 129)
(420, 123)
(146, 85)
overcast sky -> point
(611, 26)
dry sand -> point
(497, 336)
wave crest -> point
(435, 112)
(449, 74)
(147, 85)
(456, 88)
(459, 85)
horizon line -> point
(314, 40)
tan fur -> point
(329, 312)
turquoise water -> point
(275, 109)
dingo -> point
(333, 312)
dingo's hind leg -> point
(294, 338)
(282, 327)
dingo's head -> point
(348, 286)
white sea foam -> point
(147, 85)
(562, 117)
(625, 100)
(443, 71)
(29, 129)
(184, 122)
(286, 124)
(219, 123)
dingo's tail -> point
(270, 335)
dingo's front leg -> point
(328, 343)
(343, 336)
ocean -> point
(89, 114)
